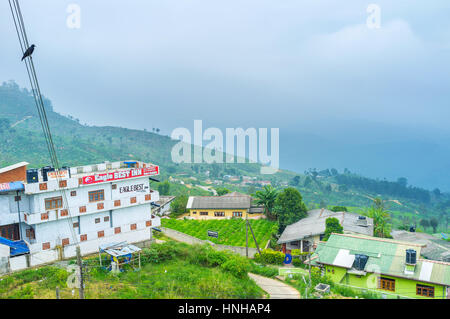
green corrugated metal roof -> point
(385, 256)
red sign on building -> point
(119, 175)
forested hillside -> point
(77, 144)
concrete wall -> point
(174, 234)
(39, 258)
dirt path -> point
(275, 288)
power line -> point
(35, 87)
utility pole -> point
(309, 265)
(254, 238)
(246, 234)
(18, 211)
(57, 293)
(80, 268)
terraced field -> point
(231, 231)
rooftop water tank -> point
(411, 256)
(32, 176)
(360, 261)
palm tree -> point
(267, 198)
(381, 218)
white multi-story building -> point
(85, 206)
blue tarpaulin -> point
(17, 247)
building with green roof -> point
(386, 266)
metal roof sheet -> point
(119, 249)
(229, 201)
(386, 256)
(314, 225)
(11, 167)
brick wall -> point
(14, 175)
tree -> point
(289, 207)
(328, 188)
(402, 181)
(334, 172)
(381, 218)
(295, 181)
(332, 226)
(267, 197)
(424, 223)
(434, 223)
(437, 192)
(164, 188)
(307, 181)
(222, 191)
(178, 206)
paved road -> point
(276, 289)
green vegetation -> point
(231, 231)
(339, 209)
(171, 270)
(289, 207)
(337, 291)
(332, 226)
(222, 191)
(269, 256)
(267, 198)
(178, 206)
(381, 218)
(80, 144)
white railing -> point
(91, 208)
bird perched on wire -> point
(28, 52)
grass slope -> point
(231, 231)
(169, 271)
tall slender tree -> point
(267, 197)
(381, 221)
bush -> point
(238, 266)
(23, 293)
(298, 263)
(263, 270)
(269, 256)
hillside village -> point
(114, 216)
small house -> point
(386, 266)
(223, 207)
(307, 232)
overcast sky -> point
(292, 64)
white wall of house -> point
(53, 231)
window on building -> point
(219, 214)
(76, 225)
(97, 220)
(427, 291)
(62, 184)
(53, 203)
(203, 213)
(237, 214)
(73, 193)
(194, 213)
(106, 218)
(96, 196)
(114, 186)
(386, 284)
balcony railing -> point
(89, 208)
